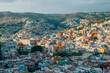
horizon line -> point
(55, 13)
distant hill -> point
(81, 15)
(51, 22)
(57, 19)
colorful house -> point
(102, 50)
(56, 59)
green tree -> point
(0, 52)
(77, 53)
(95, 38)
(62, 54)
(22, 52)
(31, 70)
(37, 48)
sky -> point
(55, 6)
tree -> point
(22, 52)
(37, 48)
(62, 54)
(77, 53)
(6, 65)
(31, 70)
(89, 24)
(36, 66)
(96, 52)
(0, 52)
(95, 38)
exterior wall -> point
(25, 42)
(33, 42)
(28, 42)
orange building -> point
(58, 43)
(95, 34)
(73, 64)
(37, 43)
(86, 40)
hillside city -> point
(35, 46)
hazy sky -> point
(55, 6)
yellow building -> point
(66, 42)
(63, 44)
(25, 72)
(56, 59)
(82, 32)
(71, 36)
(102, 50)
(87, 24)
